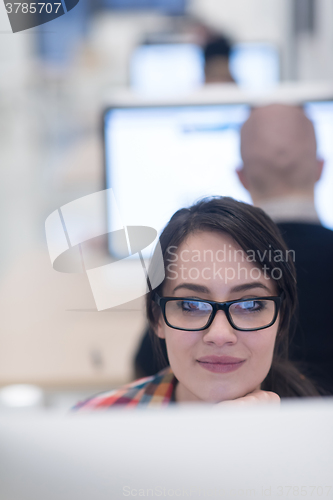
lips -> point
(222, 360)
(220, 364)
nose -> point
(220, 331)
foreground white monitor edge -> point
(189, 452)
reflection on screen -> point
(164, 158)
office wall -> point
(314, 51)
(246, 20)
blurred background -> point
(53, 83)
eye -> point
(250, 306)
(194, 307)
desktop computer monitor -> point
(160, 158)
(197, 452)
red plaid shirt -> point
(157, 390)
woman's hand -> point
(257, 396)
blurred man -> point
(216, 55)
(280, 164)
(280, 170)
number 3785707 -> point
(32, 8)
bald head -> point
(279, 153)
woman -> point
(224, 310)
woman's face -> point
(219, 363)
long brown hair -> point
(254, 232)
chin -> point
(220, 394)
(217, 396)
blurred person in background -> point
(280, 169)
(216, 55)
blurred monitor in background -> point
(162, 68)
(255, 65)
(179, 154)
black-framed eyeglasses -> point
(246, 315)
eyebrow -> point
(192, 287)
(239, 288)
(249, 286)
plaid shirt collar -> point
(157, 390)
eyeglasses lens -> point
(191, 314)
(253, 313)
(188, 314)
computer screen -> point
(162, 158)
(255, 65)
(166, 68)
(159, 69)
